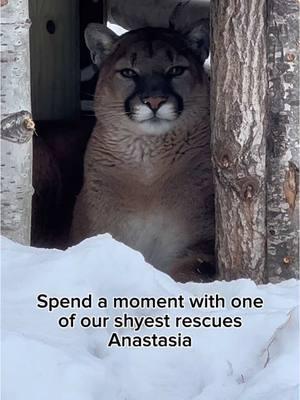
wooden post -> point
(283, 140)
(238, 115)
(55, 63)
(16, 155)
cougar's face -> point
(150, 82)
(155, 82)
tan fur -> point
(153, 192)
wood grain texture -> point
(55, 69)
(16, 188)
(283, 141)
(238, 117)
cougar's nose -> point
(154, 102)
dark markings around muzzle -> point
(153, 86)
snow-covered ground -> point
(41, 361)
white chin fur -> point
(156, 127)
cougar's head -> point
(150, 78)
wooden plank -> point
(238, 116)
(55, 69)
(283, 141)
(16, 157)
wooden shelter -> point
(254, 115)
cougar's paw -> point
(194, 269)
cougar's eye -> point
(128, 73)
(176, 71)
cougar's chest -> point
(157, 234)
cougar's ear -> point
(99, 40)
(198, 39)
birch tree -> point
(16, 124)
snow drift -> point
(41, 360)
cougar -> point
(147, 168)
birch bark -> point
(16, 157)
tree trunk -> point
(239, 87)
(283, 140)
(134, 14)
(16, 189)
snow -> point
(116, 28)
(41, 360)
